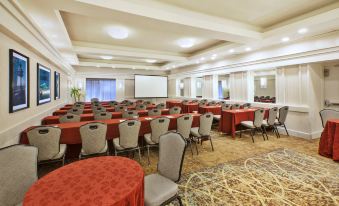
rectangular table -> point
(90, 117)
(190, 107)
(216, 110)
(329, 141)
(173, 103)
(230, 119)
(70, 132)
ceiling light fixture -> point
(285, 39)
(186, 43)
(302, 30)
(118, 32)
(248, 49)
(214, 56)
(151, 60)
(231, 50)
(107, 57)
(202, 58)
(98, 65)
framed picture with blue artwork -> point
(43, 85)
(56, 85)
(18, 81)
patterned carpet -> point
(280, 177)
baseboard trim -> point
(304, 135)
(11, 135)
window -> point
(181, 87)
(199, 82)
(223, 87)
(264, 87)
(104, 89)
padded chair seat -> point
(276, 122)
(61, 153)
(248, 124)
(148, 139)
(158, 189)
(102, 151)
(117, 145)
(217, 117)
(195, 131)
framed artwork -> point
(44, 84)
(56, 85)
(18, 81)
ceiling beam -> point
(228, 29)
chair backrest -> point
(78, 106)
(140, 107)
(94, 100)
(130, 103)
(93, 137)
(129, 133)
(236, 106)
(206, 121)
(18, 172)
(69, 118)
(259, 115)
(102, 115)
(154, 112)
(203, 101)
(226, 107)
(161, 106)
(184, 101)
(159, 126)
(212, 103)
(195, 100)
(246, 105)
(79, 103)
(272, 115)
(75, 111)
(147, 102)
(184, 125)
(222, 103)
(96, 104)
(120, 108)
(172, 148)
(46, 139)
(175, 110)
(99, 109)
(130, 114)
(201, 104)
(327, 114)
(283, 114)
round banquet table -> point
(94, 181)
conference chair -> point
(98, 109)
(327, 114)
(69, 118)
(280, 122)
(130, 114)
(223, 108)
(269, 123)
(175, 110)
(222, 103)
(161, 106)
(79, 103)
(75, 111)
(102, 115)
(113, 103)
(201, 104)
(161, 187)
(246, 105)
(78, 106)
(94, 100)
(204, 101)
(159, 126)
(128, 139)
(256, 124)
(130, 104)
(140, 107)
(154, 112)
(147, 103)
(236, 106)
(212, 103)
(18, 172)
(47, 140)
(184, 101)
(93, 139)
(195, 100)
(96, 104)
(203, 132)
(184, 125)
(120, 108)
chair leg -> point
(240, 133)
(196, 146)
(190, 142)
(211, 143)
(252, 135)
(139, 154)
(179, 199)
(286, 129)
(265, 131)
(63, 160)
(276, 129)
(262, 133)
(149, 162)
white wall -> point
(331, 85)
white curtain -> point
(104, 89)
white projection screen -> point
(148, 86)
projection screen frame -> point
(151, 75)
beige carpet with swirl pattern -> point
(280, 177)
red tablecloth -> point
(230, 119)
(173, 103)
(190, 107)
(216, 110)
(89, 103)
(61, 112)
(70, 132)
(67, 107)
(90, 116)
(329, 141)
(117, 181)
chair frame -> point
(282, 124)
(202, 138)
(253, 130)
(274, 127)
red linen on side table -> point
(190, 107)
(216, 110)
(117, 181)
(329, 141)
(173, 103)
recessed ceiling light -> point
(97, 65)
(106, 57)
(173, 66)
(118, 32)
(214, 56)
(113, 67)
(285, 39)
(202, 58)
(133, 67)
(197, 62)
(186, 43)
(231, 50)
(54, 36)
(302, 30)
(151, 60)
(248, 49)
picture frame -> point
(18, 81)
(43, 84)
(56, 85)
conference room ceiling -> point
(168, 34)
